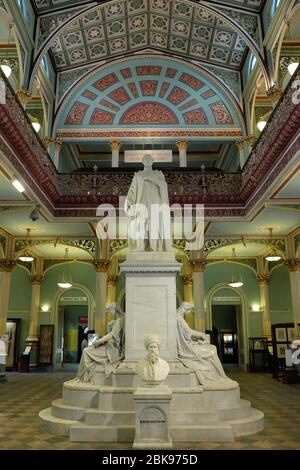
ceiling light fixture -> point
(273, 256)
(65, 281)
(19, 187)
(26, 256)
(236, 283)
(292, 67)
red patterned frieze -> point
(100, 117)
(120, 95)
(77, 113)
(149, 113)
(177, 95)
(133, 89)
(148, 87)
(191, 81)
(164, 88)
(148, 70)
(221, 113)
(106, 82)
(197, 116)
(89, 95)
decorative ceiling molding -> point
(199, 31)
(87, 245)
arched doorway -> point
(233, 302)
(73, 312)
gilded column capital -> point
(275, 93)
(239, 144)
(115, 145)
(198, 265)
(182, 144)
(263, 279)
(250, 140)
(24, 96)
(7, 265)
(112, 279)
(101, 265)
(37, 279)
(47, 140)
(293, 265)
(58, 144)
(187, 279)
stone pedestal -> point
(152, 422)
(150, 303)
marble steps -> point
(82, 432)
(54, 425)
(253, 424)
(239, 411)
(63, 411)
(219, 432)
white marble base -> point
(106, 413)
(150, 303)
(152, 418)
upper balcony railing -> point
(29, 156)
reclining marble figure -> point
(196, 353)
(107, 352)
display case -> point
(260, 354)
(283, 334)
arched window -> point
(252, 63)
(276, 5)
(45, 65)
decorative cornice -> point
(293, 265)
(37, 279)
(198, 265)
(101, 265)
(7, 265)
(263, 279)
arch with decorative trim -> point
(244, 317)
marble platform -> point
(106, 412)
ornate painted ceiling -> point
(151, 91)
(178, 27)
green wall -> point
(280, 296)
(20, 302)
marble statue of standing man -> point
(148, 210)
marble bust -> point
(148, 210)
(152, 369)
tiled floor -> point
(24, 395)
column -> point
(182, 146)
(24, 96)
(188, 295)
(294, 270)
(101, 267)
(58, 146)
(263, 280)
(274, 93)
(33, 338)
(115, 150)
(241, 147)
(199, 296)
(6, 266)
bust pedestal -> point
(152, 428)
(150, 302)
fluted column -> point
(264, 280)
(6, 266)
(58, 146)
(115, 150)
(182, 146)
(101, 267)
(33, 337)
(294, 270)
(199, 296)
(241, 147)
(188, 295)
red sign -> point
(83, 320)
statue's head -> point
(184, 308)
(152, 344)
(147, 161)
(115, 309)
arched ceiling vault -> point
(199, 30)
(148, 91)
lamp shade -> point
(6, 69)
(293, 67)
(236, 284)
(36, 126)
(261, 125)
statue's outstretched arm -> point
(103, 340)
(199, 335)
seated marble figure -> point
(107, 352)
(196, 353)
(152, 369)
